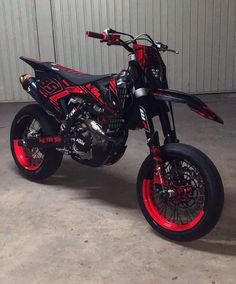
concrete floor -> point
(83, 225)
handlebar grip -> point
(95, 35)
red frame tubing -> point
(161, 220)
(23, 159)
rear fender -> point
(192, 101)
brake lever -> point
(173, 51)
(164, 48)
(161, 46)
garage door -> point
(18, 36)
(203, 31)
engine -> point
(91, 145)
(97, 138)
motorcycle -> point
(88, 117)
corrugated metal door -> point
(18, 36)
(203, 30)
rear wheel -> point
(195, 196)
(34, 163)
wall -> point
(202, 30)
(18, 36)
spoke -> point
(162, 206)
(172, 216)
(185, 205)
(190, 213)
(32, 125)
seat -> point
(73, 76)
(76, 77)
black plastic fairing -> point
(73, 76)
(192, 101)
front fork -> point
(159, 177)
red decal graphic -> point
(76, 89)
(208, 113)
(65, 83)
(144, 119)
(141, 52)
(43, 93)
(50, 86)
(90, 89)
(54, 99)
(112, 86)
(54, 90)
(145, 125)
(50, 139)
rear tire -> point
(213, 202)
(48, 160)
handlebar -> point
(112, 37)
(109, 36)
(95, 35)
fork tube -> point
(140, 94)
(145, 113)
(146, 118)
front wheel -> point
(197, 195)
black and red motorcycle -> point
(88, 117)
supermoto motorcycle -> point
(88, 117)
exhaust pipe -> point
(94, 127)
(29, 84)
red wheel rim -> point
(25, 157)
(156, 214)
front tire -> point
(34, 163)
(199, 194)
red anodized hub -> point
(25, 158)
